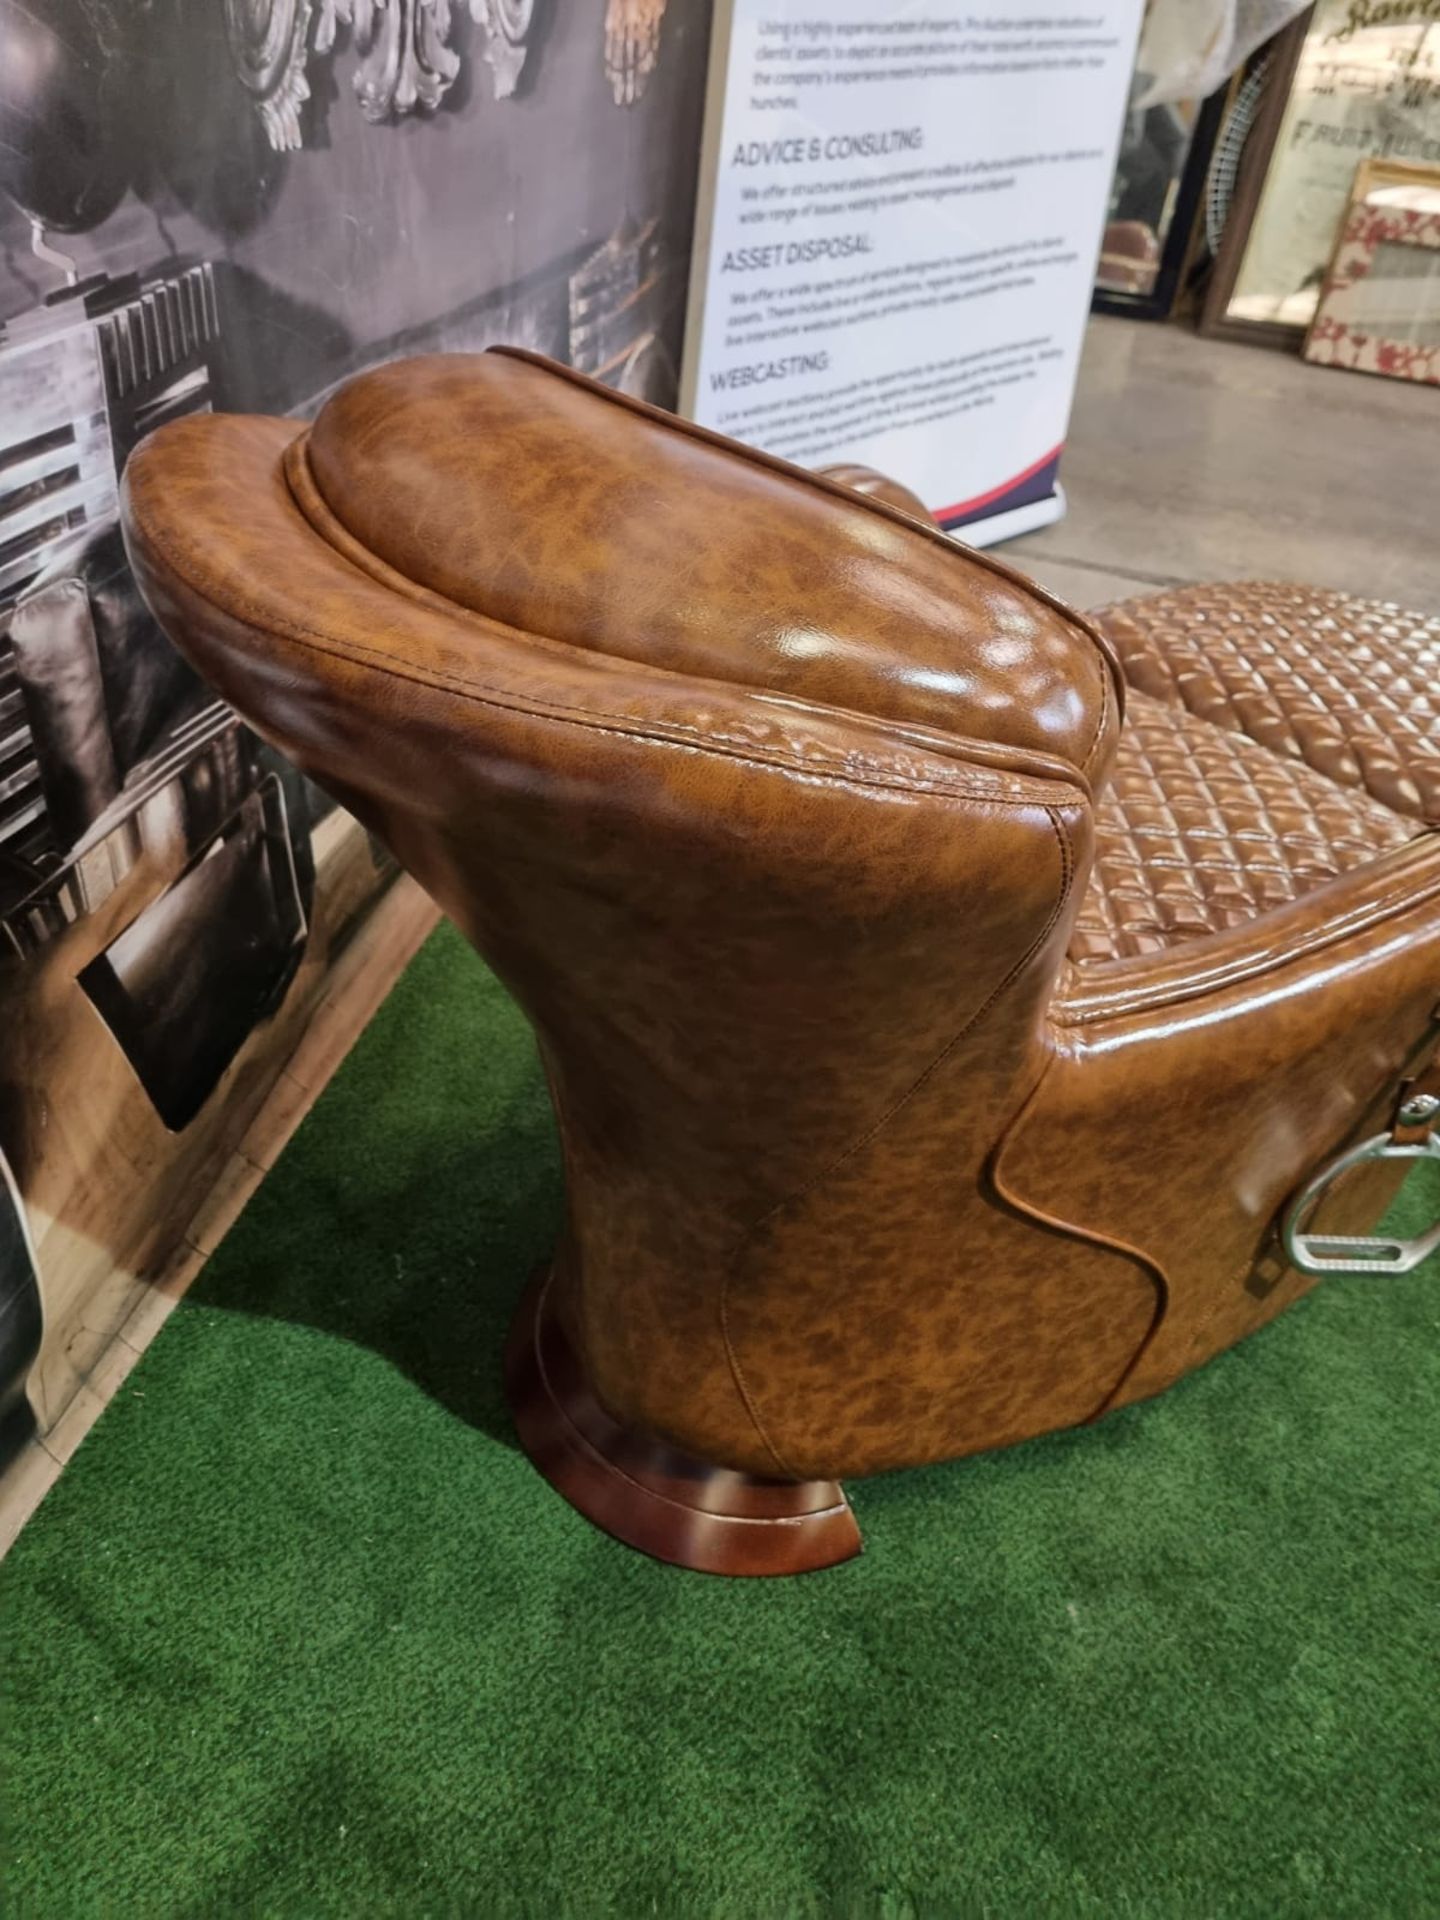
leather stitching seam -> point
(956, 748)
(484, 694)
(1100, 724)
(1147, 999)
(1067, 876)
(1100, 641)
(1092, 1236)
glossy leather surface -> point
(1349, 687)
(877, 486)
(488, 478)
(1200, 829)
(883, 1142)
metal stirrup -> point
(1319, 1253)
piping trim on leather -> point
(235, 606)
(1104, 716)
(1034, 764)
(1090, 1236)
(1095, 1009)
(1236, 1277)
(1067, 878)
(1103, 645)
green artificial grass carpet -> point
(299, 1632)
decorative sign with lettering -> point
(899, 217)
(1367, 88)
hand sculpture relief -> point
(632, 46)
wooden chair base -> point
(668, 1504)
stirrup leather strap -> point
(1414, 1135)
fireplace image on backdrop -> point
(234, 208)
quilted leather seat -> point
(1349, 687)
(938, 1029)
(1199, 830)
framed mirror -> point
(1351, 80)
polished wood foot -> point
(667, 1503)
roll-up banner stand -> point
(899, 217)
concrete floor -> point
(1192, 459)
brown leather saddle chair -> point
(942, 1033)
